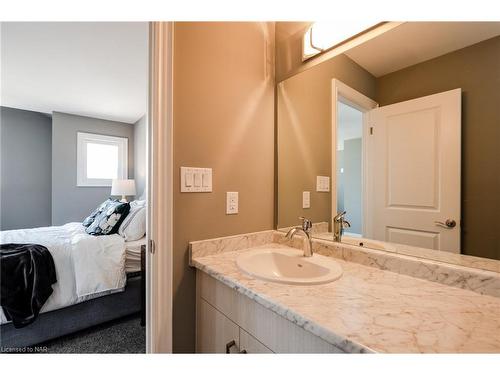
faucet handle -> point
(306, 223)
(339, 216)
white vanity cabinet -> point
(214, 331)
(228, 321)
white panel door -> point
(416, 151)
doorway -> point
(350, 166)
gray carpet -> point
(120, 336)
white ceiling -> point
(96, 69)
(413, 42)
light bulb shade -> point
(123, 187)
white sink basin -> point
(289, 266)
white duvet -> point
(86, 266)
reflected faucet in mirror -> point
(306, 229)
(339, 223)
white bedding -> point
(86, 266)
(133, 255)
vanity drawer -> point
(272, 330)
(214, 331)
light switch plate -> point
(232, 202)
(322, 183)
(196, 180)
(306, 199)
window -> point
(100, 159)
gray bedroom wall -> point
(25, 154)
(140, 172)
(70, 202)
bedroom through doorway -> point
(75, 201)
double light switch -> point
(196, 180)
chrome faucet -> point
(339, 223)
(306, 229)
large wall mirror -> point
(402, 132)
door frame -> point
(159, 280)
(347, 95)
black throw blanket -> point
(27, 272)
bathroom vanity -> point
(225, 315)
(383, 302)
(370, 150)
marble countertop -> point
(373, 310)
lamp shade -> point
(123, 187)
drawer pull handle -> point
(232, 343)
(229, 345)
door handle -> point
(449, 223)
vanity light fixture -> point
(326, 35)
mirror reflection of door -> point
(411, 194)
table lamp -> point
(123, 188)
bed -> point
(92, 285)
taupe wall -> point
(223, 119)
(71, 202)
(304, 135)
(476, 70)
(289, 49)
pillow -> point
(109, 220)
(90, 219)
(137, 202)
(133, 226)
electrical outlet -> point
(306, 199)
(232, 202)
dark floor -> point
(119, 336)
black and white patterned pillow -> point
(109, 220)
(90, 219)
